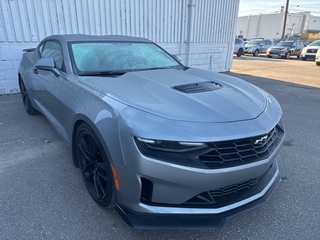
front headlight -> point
(181, 153)
(170, 146)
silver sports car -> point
(169, 146)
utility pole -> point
(285, 20)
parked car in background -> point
(285, 49)
(169, 146)
(257, 45)
(310, 51)
(238, 47)
(276, 40)
(318, 58)
(305, 42)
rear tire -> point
(303, 58)
(26, 100)
(269, 56)
(318, 63)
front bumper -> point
(157, 192)
(277, 54)
(201, 218)
(310, 56)
(248, 50)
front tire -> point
(95, 167)
(269, 56)
(287, 55)
(26, 100)
(303, 58)
(255, 53)
(318, 63)
(240, 52)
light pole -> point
(285, 20)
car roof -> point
(85, 37)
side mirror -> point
(47, 64)
(177, 57)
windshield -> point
(254, 42)
(284, 44)
(315, 43)
(104, 57)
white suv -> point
(309, 52)
(318, 58)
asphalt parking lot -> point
(42, 196)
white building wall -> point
(271, 25)
(267, 26)
(201, 31)
(314, 23)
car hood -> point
(312, 47)
(213, 97)
(279, 48)
(251, 45)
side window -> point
(52, 49)
(294, 45)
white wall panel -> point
(204, 38)
(160, 20)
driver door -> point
(48, 86)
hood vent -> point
(198, 87)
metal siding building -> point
(201, 31)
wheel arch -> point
(19, 79)
(79, 119)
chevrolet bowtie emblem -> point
(261, 141)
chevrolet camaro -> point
(168, 146)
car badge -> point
(261, 140)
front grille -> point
(242, 151)
(232, 193)
(312, 50)
(229, 192)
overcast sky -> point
(254, 7)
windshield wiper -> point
(178, 67)
(103, 73)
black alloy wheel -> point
(95, 167)
(26, 100)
